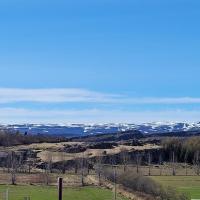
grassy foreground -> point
(50, 193)
(187, 184)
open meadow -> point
(50, 193)
(187, 184)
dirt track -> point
(120, 189)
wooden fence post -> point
(60, 187)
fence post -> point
(115, 183)
(60, 187)
(7, 196)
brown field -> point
(57, 154)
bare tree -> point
(87, 163)
(99, 161)
(185, 159)
(115, 183)
(21, 162)
(62, 162)
(149, 162)
(13, 160)
(76, 166)
(30, 160)
(197, 162)
(124, 154)
(173, 164)
(48, 167)
(82, 170)
(30, 164)
(8, 162)
(49, 161)
(160, 163)
(138, 161)
(80, 166)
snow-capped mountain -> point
(86, 129)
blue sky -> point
(99, 61)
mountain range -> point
(70, 130)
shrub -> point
(137, 182)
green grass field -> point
(50, 193)
(187, 184)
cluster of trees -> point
(183, 149)
(17, 162)
(8, 138)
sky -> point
(102, 61)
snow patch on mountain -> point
(88, 129)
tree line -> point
(11, 138)
(184, 149)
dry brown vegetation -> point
(82, 162)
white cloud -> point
(66, 95)
(13, 115)
(54, 95)
(164, 100)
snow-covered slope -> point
(85, 129)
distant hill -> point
(108, 137)
(76, 130)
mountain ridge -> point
(70, 130)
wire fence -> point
(51, 193)
(11, 195)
